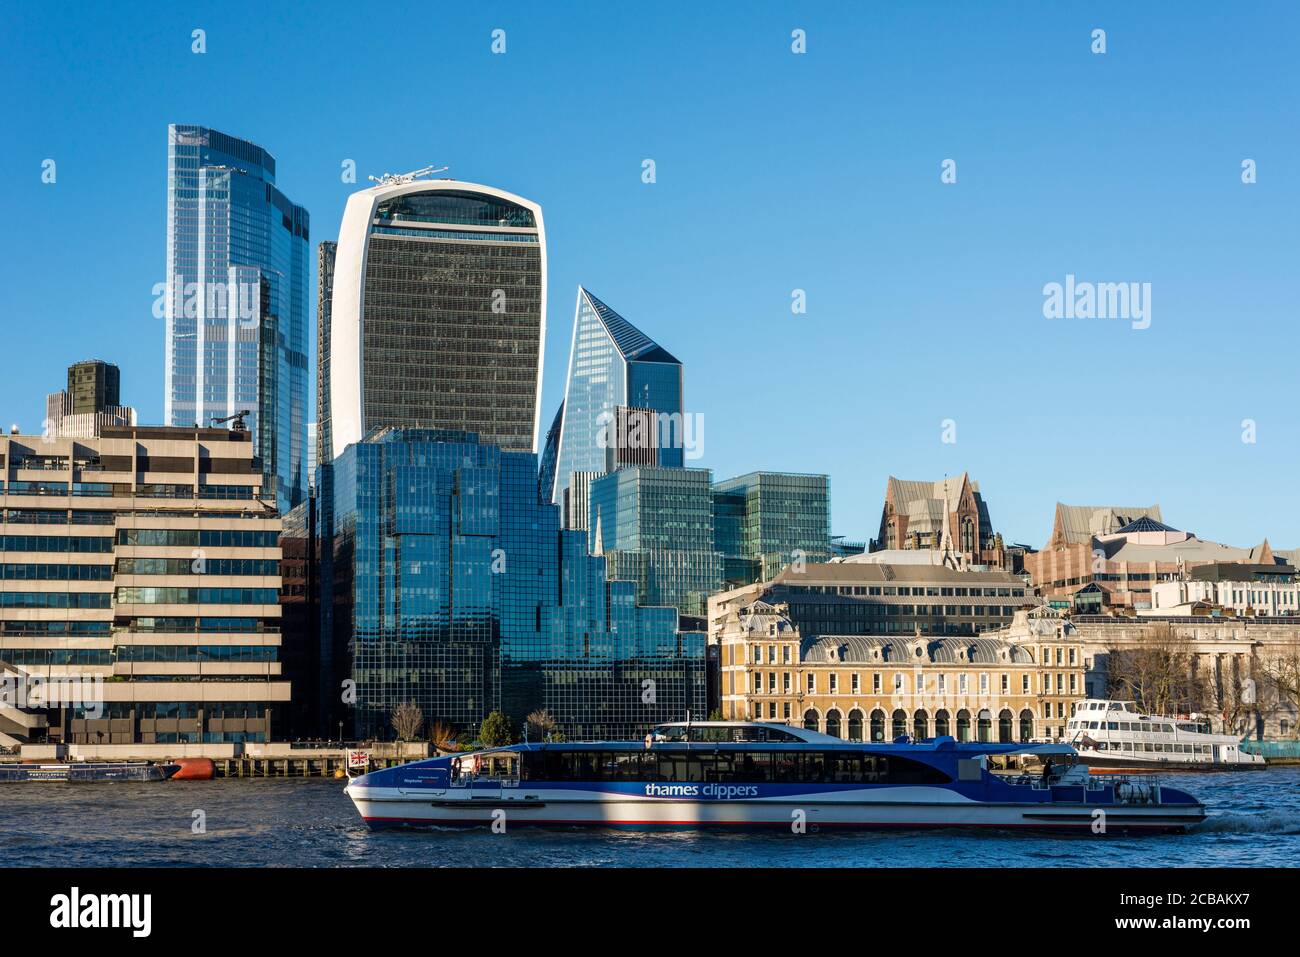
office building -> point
(880, 687)
(1111, 558)
(622, 398)
(844, 598)
(144, 564)
(766, 520)
(447, 582)
(236, 300)
(437, 313)
(654, 526)
(325, 254)
(91, 401)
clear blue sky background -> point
(775, 171)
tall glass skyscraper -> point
(236, 300)
(613, 364)
(438, 313)
(447, 582)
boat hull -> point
(379, 810)
(1108, 765)
(88, 773)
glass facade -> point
(654, 526)
(325, 256)
(453, 299)
(236, 299)
(613, 364)
(764, 518)
(447, 581)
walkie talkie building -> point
(438, 313)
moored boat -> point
(1115, 737)
(79, 772)
(737, 774)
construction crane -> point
(389, 179)
(237, 419)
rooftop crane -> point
(237, 419)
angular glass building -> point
(236, 300)
(446, 581)
(763, 519)
(654, 526)
(437, 313)
(613, 364)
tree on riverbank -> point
(495, 731)
(541, 725)
(407, 720)
(1279, 668)
(442, 736)
(1158, 673)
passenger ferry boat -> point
(1114, 735)
(79, 772)
(705, 774)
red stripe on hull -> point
(1061, 826)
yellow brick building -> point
(876, 688)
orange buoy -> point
(195, 769)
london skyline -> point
(706, 258)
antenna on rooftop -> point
(392, 179)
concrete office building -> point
(144, 564)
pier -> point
(275, 760)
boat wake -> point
(1276, 822)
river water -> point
(1254, 821)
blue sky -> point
(775, 172)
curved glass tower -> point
(438, 313)
(236, 300)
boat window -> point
(1112, 725)
(804, 767)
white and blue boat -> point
(750, 774)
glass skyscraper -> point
(236, 300)
(446, 581)
(613, 364)
(437, 313)
(654, 526)
(763, 519)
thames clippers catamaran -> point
(706, 774)
(1114, 735)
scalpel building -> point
(437, 314)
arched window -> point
(1004, 727)
(984, 726)
(1026, 725)
(810, 720)
(855, 725)
(942, 724)
(967, 535)
(877, 725)
(900, 723)
(963, 725)
(833, 723)
(921, 725)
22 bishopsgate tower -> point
(236, 300)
